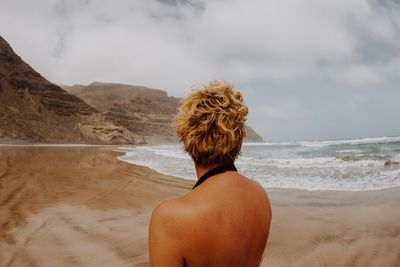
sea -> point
(347, 165)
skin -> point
(223, 222)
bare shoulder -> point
(261, 192)
(171, 215)
(168, 210)
(257, 186)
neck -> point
(200, 170)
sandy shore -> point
(64, 206)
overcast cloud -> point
(309, 69)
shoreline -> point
(266, 188)
(117, 148)
(94, 208)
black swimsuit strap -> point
(215, 171)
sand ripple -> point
(65, 235)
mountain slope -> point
(144, 111)
(34, 109)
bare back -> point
(223, 222)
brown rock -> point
(34, 109)
(389, 163)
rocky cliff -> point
(146, 112)
(34, 109)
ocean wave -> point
(290, 165)
(326, 162)
(376, 140)
(349, 151)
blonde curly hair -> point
(211, 123)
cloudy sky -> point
(309, 69)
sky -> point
(308, 69)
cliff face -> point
(146, 112)
(33, 109)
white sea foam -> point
(318, 166)
(351, 142)
(314, 163)
(349, 151)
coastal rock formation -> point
(146, 112)
(34, 109)
(390, 163)
(252, 135)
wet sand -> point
(81, 206)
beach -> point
(81, 206)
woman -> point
(225, 219)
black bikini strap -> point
(215, 171)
